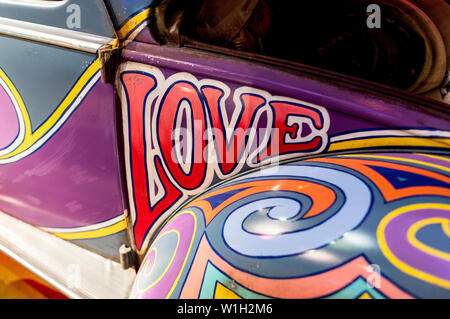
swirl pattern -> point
(290, 238)
(12, 126)
(164, 262)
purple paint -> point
(419, 157)
(357, 108)
(184, 226)
(9, 122)
(73, 180)
(397, 241)
(146, 36)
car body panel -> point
(61, 170)
(366, 225)
(110, 137)
(305, 115)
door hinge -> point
(109, 58)
(127, 257)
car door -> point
(195, 114)
(59, 158)
(335, 162)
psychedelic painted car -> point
(238, 149)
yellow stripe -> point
(147, 274)
(365, 295)
(133, 23)
(31, 138)
(223, 292)
(187, 254)
(113, 229)
(399, 159)
(166, 269)
(390, 141)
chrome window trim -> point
(66, 38)
(35, 3)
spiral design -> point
(318, 229)
(275, 225)
(166, 258)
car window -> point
(402, 45)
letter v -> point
(231, 136)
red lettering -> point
(170, 105)
(137, 87)
(293, 128)
(230, 153)
(287, 139)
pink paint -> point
(150, 286)
(9, 122)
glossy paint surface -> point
(351, 226)
(192, 120)
(78, 167)
(59, 163)
(60, 68)
(69, 139)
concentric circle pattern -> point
(359, 226)
(162, 266)
(354, 194)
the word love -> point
(181, 134)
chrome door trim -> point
(66, 38)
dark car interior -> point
(405, 45)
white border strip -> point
(58, 261)
(59, 123)
(109, 222)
